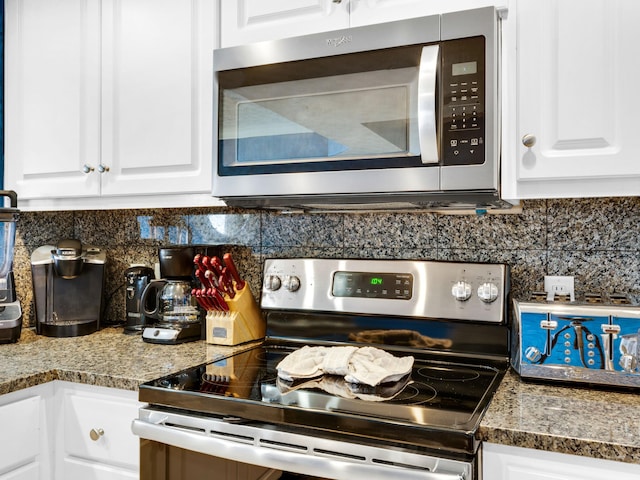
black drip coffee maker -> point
(10, 311)
(168, 301)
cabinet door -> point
(52, 99)
(577, 75)
(94, 433)
(367, 12)
(502, 462)
(26, 437)
(19, 437)
(247, 21)
(157, 74)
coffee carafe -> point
(10, 310)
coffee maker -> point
(10, 310)
(137, 277)
(168, 301)
(68, 284)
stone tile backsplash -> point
(596, 240)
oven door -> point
(177, 446)
(390, 108)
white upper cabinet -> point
(368, 12)
(247, 21)
(52, 97)
(108, 100)
(577, 71)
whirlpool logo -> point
(337, 41)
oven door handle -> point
(427, 101)
(279, 459)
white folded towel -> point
(368, 365)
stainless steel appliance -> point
(591, 340)
(397, 115)
(10, 310)
(68, 284)
(449, 316)
(137, 277)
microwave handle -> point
(427, 122)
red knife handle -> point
(226, 283)
(197, 260)
(220, 299)
(216, 265)
(229, 263)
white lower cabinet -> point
(68, 431)
(501, 462)
(25, 436)
(93, 433)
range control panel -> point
(429, 289)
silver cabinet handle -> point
(103, 168)
(96, 433)
(529, 140)
(87, 168)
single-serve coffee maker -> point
(10, 311)
(68, 283)
(168, 301)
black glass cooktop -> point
(435, 396)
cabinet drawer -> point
(98, 428)
(78, 469)
(29, 472)
(19, 434)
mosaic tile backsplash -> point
(596, 240)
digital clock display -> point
(373, 285)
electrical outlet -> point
(563, 285)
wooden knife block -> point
(242, 323)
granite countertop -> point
(564, 419)
(107, 358)
(560, 418)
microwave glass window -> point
(355, 116)
(290, 121)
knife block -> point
(242, 323)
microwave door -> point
(427, 100)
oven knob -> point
(488, 292)
(291, 283)
(272, 283)
(461, 291)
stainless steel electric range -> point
(450, 317)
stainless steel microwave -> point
(398, 115)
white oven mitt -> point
(368, 365)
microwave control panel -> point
(463, 101)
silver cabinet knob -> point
(96, 433)
(87, 168)
(103, 168)
(529, 140)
